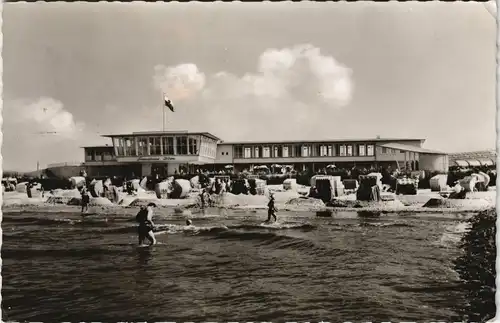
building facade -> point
(168, 153)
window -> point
(370, 150)
(89, 155)
(266, 152)
(323, 150)
(384, 150)
(277, 151)
(297, 151)
(154, 146)
(193, 146)
(285, 152)
(342, 150)
(120, 146)
(362, 151)
(129, 147)
(248, 152)
(98, 156)
(330, 151)
(306, 151)
(256, 149)
(238, 152)
(168, 145)
(107, 156)
(142, 146)
(349, 150)
(182, 145)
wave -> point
(280, 226)
(169, 228)
(58, 221)
(453, 234)
(58, 252)
(386, 224)
(271, 238)
(42, 221)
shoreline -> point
(286, 201)
(181, 210)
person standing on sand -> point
(146, 225)
(271, 211)
(85, 200)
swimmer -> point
(146, 225)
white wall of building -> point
(224, 154)
(433, 162)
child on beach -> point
(85, 200)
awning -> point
(197, 163)
(486, 162)
(461, 163)
(474, 162)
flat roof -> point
(319, 141)
(395, 145)
(98, 146)
(159, 133)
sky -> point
(256, 71)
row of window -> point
(91, 155)
(285, 151)
(208, 148)
(147, 146)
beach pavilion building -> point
(169, 152)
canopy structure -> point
(228, 167)
(461, 163)
(331, 166)
(261, 167)
(486, 162)
(474, 162)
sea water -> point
(230, 267)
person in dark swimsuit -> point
(146, 225)
(271, 211)
(85, 200)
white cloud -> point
(41, 130)
(179, 82)
(295, 83)
(43, 116)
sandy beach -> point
(285, 200)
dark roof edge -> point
(322, 140)
(146, 133)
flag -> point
(168, 102)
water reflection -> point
(369, 214)
(324, 213)
(144, 255)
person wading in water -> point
(85, 200)
(146, 225)
(271, 211)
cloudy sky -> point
(246, 72)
